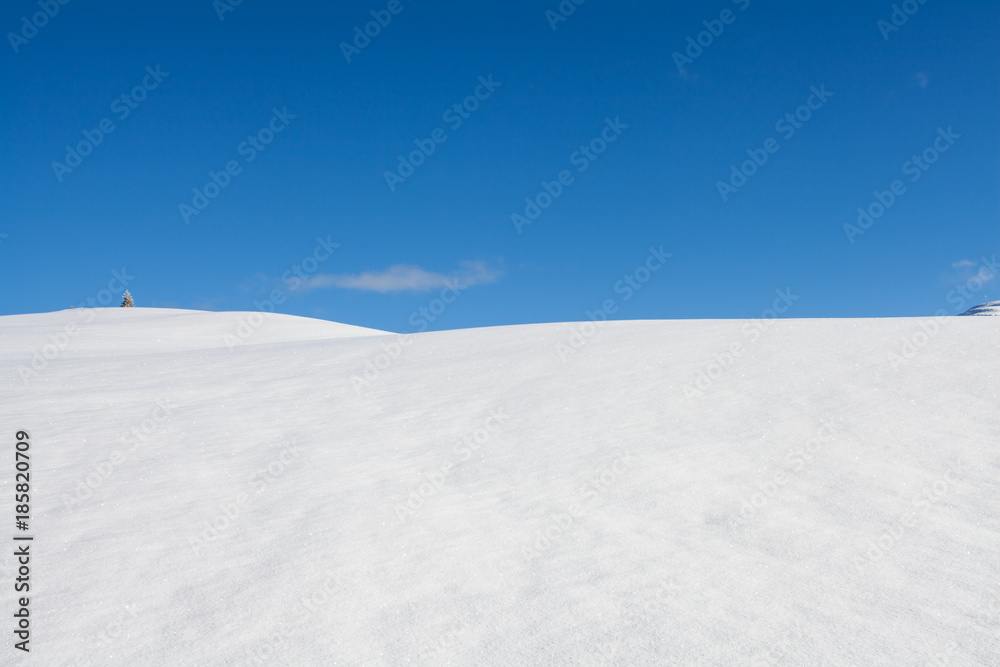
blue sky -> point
(627, 145)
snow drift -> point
(792, 492)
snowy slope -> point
(989, 308)
(825, 493)
(155, 330)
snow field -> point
(486, 500)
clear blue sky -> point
(608, 65)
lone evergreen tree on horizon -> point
(127, 303)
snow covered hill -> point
(989, 308)
(792, 492)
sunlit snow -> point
(790, 492)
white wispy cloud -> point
(965, 270)
(404, 278)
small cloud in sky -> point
(965, 270)
(921, 79)
(404, 278)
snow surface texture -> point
(827, 496)
(990, 308)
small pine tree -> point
(127, 303)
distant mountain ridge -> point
(988, 308)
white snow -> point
(827, 497)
